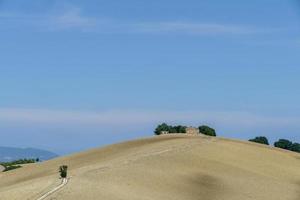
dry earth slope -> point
(174, 167)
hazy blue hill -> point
(11, 153)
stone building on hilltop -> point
(192, 131)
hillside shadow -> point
(206, 187)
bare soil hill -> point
(171, 167)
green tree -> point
(161, 127)
(206, 130)
(170, 129)
(180, 129)
(283, 144)
(63, 171)
(260, 139)
(295, 147)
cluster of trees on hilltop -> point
(261, 140)
(171, 129)
(206, 130)
(281, 143)
(288, 145)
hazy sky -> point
(80, 74)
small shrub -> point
(261, 140)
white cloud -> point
(114, 118)
(194, 28)
(71, 18)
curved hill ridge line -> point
(165, 167)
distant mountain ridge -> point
(12, 153)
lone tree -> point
(261, 140)
(206, 130)
(63, 171)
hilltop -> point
(169, 167)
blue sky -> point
(81, 74)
